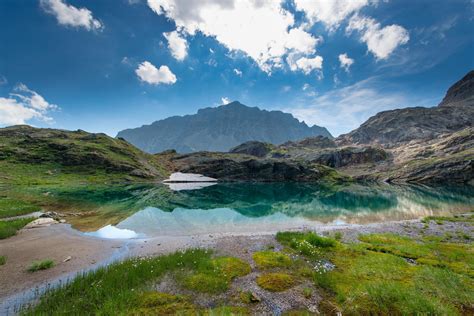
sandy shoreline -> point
(59, 241)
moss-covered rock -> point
(271, 259)
(276, 282)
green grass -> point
(41, 265)
(431, 251)
(276, 282)
(10, 227)
(214, 276)
(125, 288)
(374, 277)
(3, 260)
(271, 259)
(441, 219)
(11, 207)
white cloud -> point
(23, 105)
(69, 15)
(225, 100)
(286, 88)
(330, 12)
(345, 61)
(305, 87)
(148, 73)
(381, 41)
(238, 72)
(344, 109)
(307, 65)
(262, 29)
(177, 45)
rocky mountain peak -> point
(463, 90)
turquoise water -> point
(149, 211)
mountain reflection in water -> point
(248, 207)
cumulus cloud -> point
(147, 72)
(24, 104)
(69, 15)
(177, 45)
(345, 61)
(238, 72)
(381, 41)
(263, 30)
(307, 65)
(225, 100)
(330, 12)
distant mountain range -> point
(416, 145)
(220, 129)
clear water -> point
(158, 210)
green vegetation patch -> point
(158, 303)
(124, 288)
(9, 228)
(11, 207)
(431, 251)
(271, 259)
(3, 260)
(276, 282)
(388, 274)
(456, 218)
(308, 244)
(41, 265)
(216, 275)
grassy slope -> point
(44, 156)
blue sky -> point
(104, 66)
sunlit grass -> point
(11, 207)
(10, 227)
(125, 288)
(271, 259)
(377, 277)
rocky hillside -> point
(242, 167)
(36, 155)
(319, 150)
(220, 129)
(390, 128)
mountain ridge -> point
(388, 128)
(220, 129)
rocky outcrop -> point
(253, 148)
(391, 128)
(351, 156)
(220, 129)
(318, 142)
(237, 167)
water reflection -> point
(157, 209)
(112, 232)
